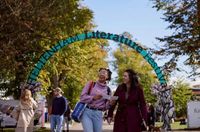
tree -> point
(28, 28)
(182, 93)
(183, 17)
(127, 58)
(72, 67)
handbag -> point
(78, 111)
(80, 107)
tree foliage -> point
(28, 28)
(127, 58)
(181, 95)
(72, 67)
(183, 17)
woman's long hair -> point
(23, 94)
(133, 78)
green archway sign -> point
(95, 35)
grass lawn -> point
(175, 125)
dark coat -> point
(127, 118)
(151, 116)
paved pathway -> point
(77, 127)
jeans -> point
(92, 120)
(56, 123)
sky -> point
(134, 16)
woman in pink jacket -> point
(92, 95)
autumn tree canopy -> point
(183, 17)
(29, 27)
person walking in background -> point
(67, 117)
(57, 111)
(26, 107)
(150, 116)
(130, 102)
(92, 117)
(49, 98)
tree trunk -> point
(20, 76)
(198, 18)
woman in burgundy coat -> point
(130, 96)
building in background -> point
(196, 91)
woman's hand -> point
(97, 97)
(112, 102)
(109, 120)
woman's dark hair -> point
(133, 78)
(109, 73)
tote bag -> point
(78, 111)
(80, 107)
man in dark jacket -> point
(58, 109)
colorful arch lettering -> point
(95, 35)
